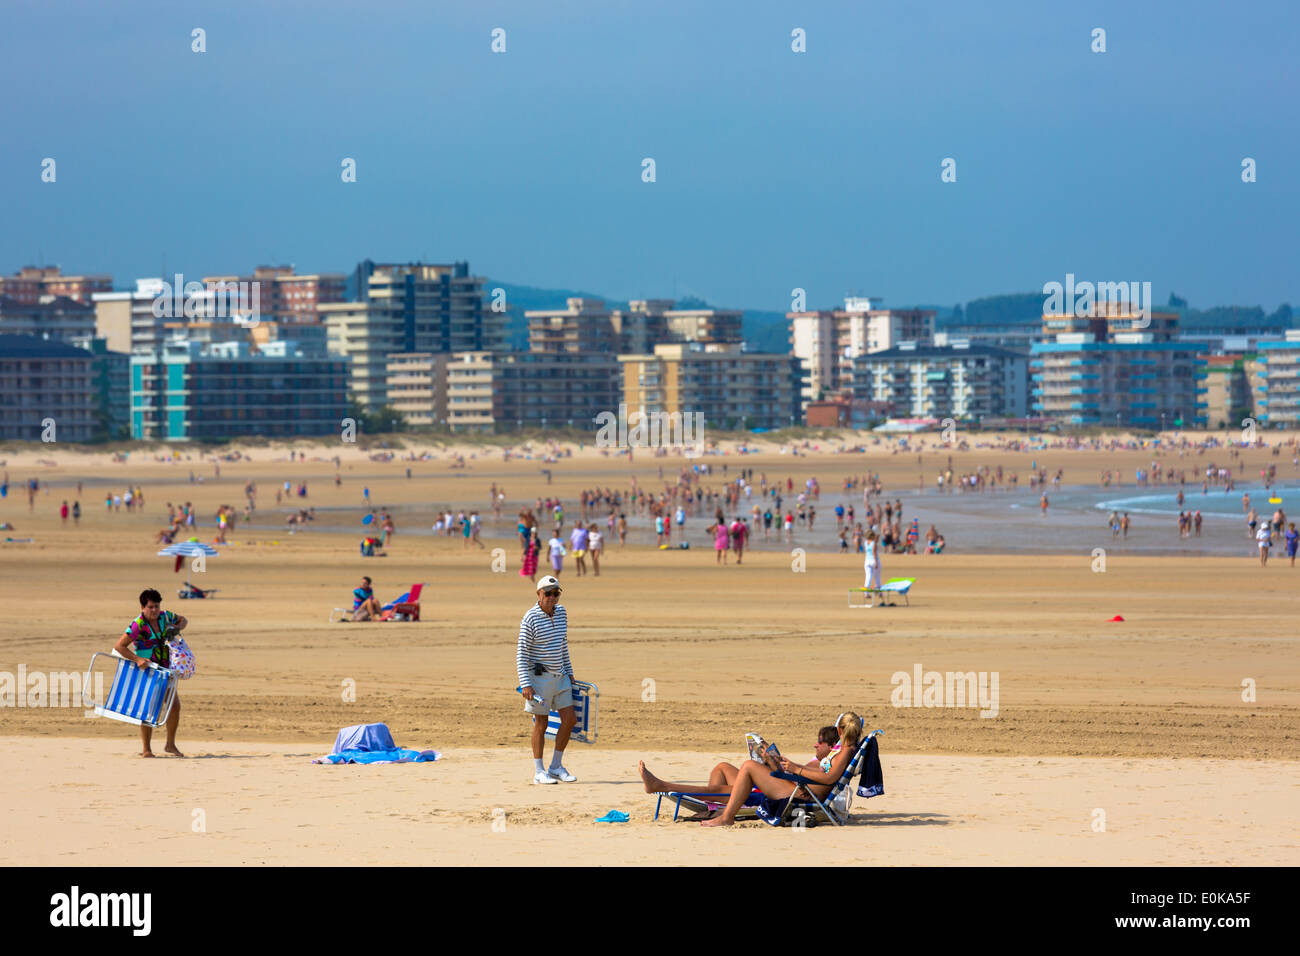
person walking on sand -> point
(739, 532)
(145, 641)
(546, 677)
(578, 542)
(556, 549)
(1292, 540)
(1264, 538)
(721, 536)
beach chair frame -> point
(586, 707)
(143, 697)
(817, 807)
(903, 586)
(698, 803)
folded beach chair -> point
(404, 608)
(586, 698)
(137, 695)
(190, 591)
(833, 808)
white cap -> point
(548, 582)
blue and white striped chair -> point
(586, 700)
(829, 808)
(137, 695)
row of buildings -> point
(279, 354)
(1111, 366)
(282, 354)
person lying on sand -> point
(741, 781)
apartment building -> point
(284, 296)
(731, 387)
(411, 307)
(59, 318)
(30, 284)
(44, 382)
(188, 390)
(1116, 367)
(828, 341)
(1224, 386)
(1277, 395)
(503, 391)
(960, 381)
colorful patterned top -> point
(148, 639)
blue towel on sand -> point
(397, 755)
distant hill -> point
(1020, 308)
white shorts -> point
(556, 693)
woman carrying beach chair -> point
(149, 634)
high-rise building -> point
(187, 390)
(732, 388)
(1114, 367)
(1224, 386)
(828, 341)
(1278, 382)
(960, 381)
(31, 284)
(284, 296)
(48, 390)
(58, 318)
(417, 387)
(408, 308)
(503, 391)
(706, 326)
(585, 327)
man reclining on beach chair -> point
(757, 777)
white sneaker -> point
(559, 773)
(543, 777)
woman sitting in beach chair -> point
(742, 780)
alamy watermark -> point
(651, 430)
(946, 689)
(53, 689)
(1085, 299)
(240, 300)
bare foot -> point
(718, 821)
(173, 751)
(147, 753)
(652, 783)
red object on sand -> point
(180, 559)
(1117, 617)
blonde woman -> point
(753, 774)
(872, 563)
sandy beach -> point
(1181, 723)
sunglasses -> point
(550, 594)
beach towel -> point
(872, 782)
(396, 755)
(372, 743)
(364, 737)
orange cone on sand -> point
(1117, 617)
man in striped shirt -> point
(545, 677)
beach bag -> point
(182, 658)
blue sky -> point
(775, 169)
